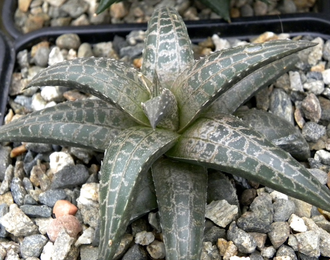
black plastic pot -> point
(7, 60)
(313, 24)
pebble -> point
(50, 197)
(156, 249)
(279, 233)
(311, 108)
(39, 178)
(68, 41)
(62, 245)
(5, 160)
(221, 212)
(325, 108)
(64, 207)
(42, 224)
(244, 242)
(314, 86)
(70, 176)
(210, 251)
(88, 253)
(37, 211)
(69, 223)
(58, 160)
(313, 132)
(3, 211)
(87, 237)
(136, 252)
(85, 50)
(55, 56)
(38, 102)
(280, 105)
(17, 190)
(317, 51)
(268, 252)
(283, 208)
(17, 223)
(227, 248)
(307, 243)
(213, 233)
(8, 176)
(32, 245)
(287, 251)
(295, 81)
(144, 238)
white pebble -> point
(297, 223)
(58, 160)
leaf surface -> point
(208, 78)
(89, 123)
(104, 4)
(227, 144)
(128, 157)
(234, 97)
(220, 7)
(168, 48)
(108, 79)
(181, 194)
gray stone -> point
(135, 37)
(307, 243)
(24, 101)
(260, 217)
(62, 245)
(86, 238)
(3, 211)
(17, 223)
(17, 190)
(322, 176)
(326, 50)
(279, 233)
(287, 7)
(156, 249)
(68, 41)
(285, 250)
(259, 238)
(49, 197)
(210, 252)
(280, 105)
(5, 185)
(317, 51)
(244, 242)
(295, 81)
(213, 234)
(314, 75)
(221, 212)
(85, 50)
(283, 208)
(256, 256)
(70, 176)
(27, 184)
(88, 253)
(75, 8)
(136, 252)
(85, 155)
(260, 8)
(41, 56)
(36, 211)
(268, 252)
(144, 238)
(313, 132)
(32, 245)
(246, 11)
(311, 107)
(132, 51)
(283, 82)
(5, 160)
(29, 200)
(325, 109)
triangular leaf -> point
(167, 46)
(89, 123)
(108, 79)
(128, 157)
(181, 194)
(227, 144)
(211, 76)
(220, 7)
(104, 4)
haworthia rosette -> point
(208, 78)
(88, 123)
(108, 79)
(227, 144)
(181, 194)
(167, 46)
(234, 97)
(127, 157)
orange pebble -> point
(64, 207)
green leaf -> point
(207, 79)
(233, 98)
(128, 157)
(220, 7)
(104, 4)
(181, 194)
(108, 79)
(227, 144)
(168, 48)
(89, 123)
(162, 110)
(278, 131)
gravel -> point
(266, 224)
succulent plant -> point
(168, 124)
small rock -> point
(49, 197)
(283, 208)
(313, 132)
(285, 250)
(3, 211)
(32, 245)
(86, 238)
(244, 242)
(132, 51)
(70, 176)
(5, 160)
(317, 51)
(226, 248)
(144, 238)
(50, 93)
(307, 243)
(221, 212)
(55, 56)
(268, 252)
(88, 253)
(38, 103)
(125, 243)
(64, 207)
(311, 108)
(260, 8)
(213, 234)
(302, 209)
(17, 223)
(136, 252)
(5, 185)
(39, 177)
(220, 44)
(280, 105)
(326, 50)
(297, 224)
(209, 251)
(82, 154)
(322, 176)
(37, 211)
(58, 160)
(85, 50)
(103, 49)
(43, 224)
(156, 249)
(279, 233)
(41, 57)
(259, 238)
(62, 245)
(69, 223)
(47, 251)
(17, 190)
(295, 81)
(68, 41)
